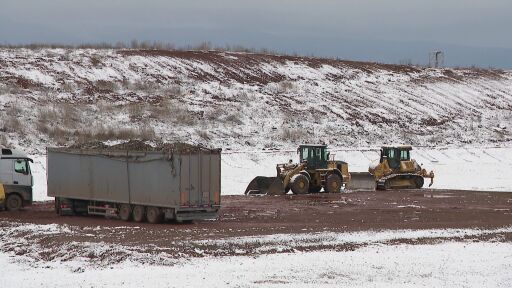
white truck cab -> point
(16, 177)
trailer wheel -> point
(125, 212)
(57, 205)
(138, 213)
(13, 202)
(154, 215)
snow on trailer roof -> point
(135, 146)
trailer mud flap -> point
(195, 215)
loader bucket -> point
(266, 186)
(361, 181)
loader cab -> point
(395, 155)
(315, 155)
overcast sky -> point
(468, 31)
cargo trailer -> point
(156, 185)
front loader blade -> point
(265, 185)
(361, 181)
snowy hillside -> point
(239, 101)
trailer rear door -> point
(200, 179)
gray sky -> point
(469, 31)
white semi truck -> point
(16, 177)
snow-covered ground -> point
(445, 264)
(454, 260)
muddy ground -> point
(259, 216)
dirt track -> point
(268, 215)
(408, 209)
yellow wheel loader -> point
(314, 172)
(396, 169)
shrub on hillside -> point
(4, 142)
(106, 86)
(292, 134)
(12, 124)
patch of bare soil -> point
(234, 63)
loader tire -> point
(419, 182)
(333, 183)
(13, 202)
(299, 184)
(139, 213)
(125, 212)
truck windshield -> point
(21, 166)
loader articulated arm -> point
(288, 171)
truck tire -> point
(125, 212)
(139, 213)
(299, 184)
(154, 215)
(13, 202)
(333, 183)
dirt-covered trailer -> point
(180, 184)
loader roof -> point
(313, 145)
(404, 147)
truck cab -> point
(16, 177)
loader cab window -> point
(404, 155)
(304, 154)
(318, 154)
(21, 166)
(326, 154)
(392, 155)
